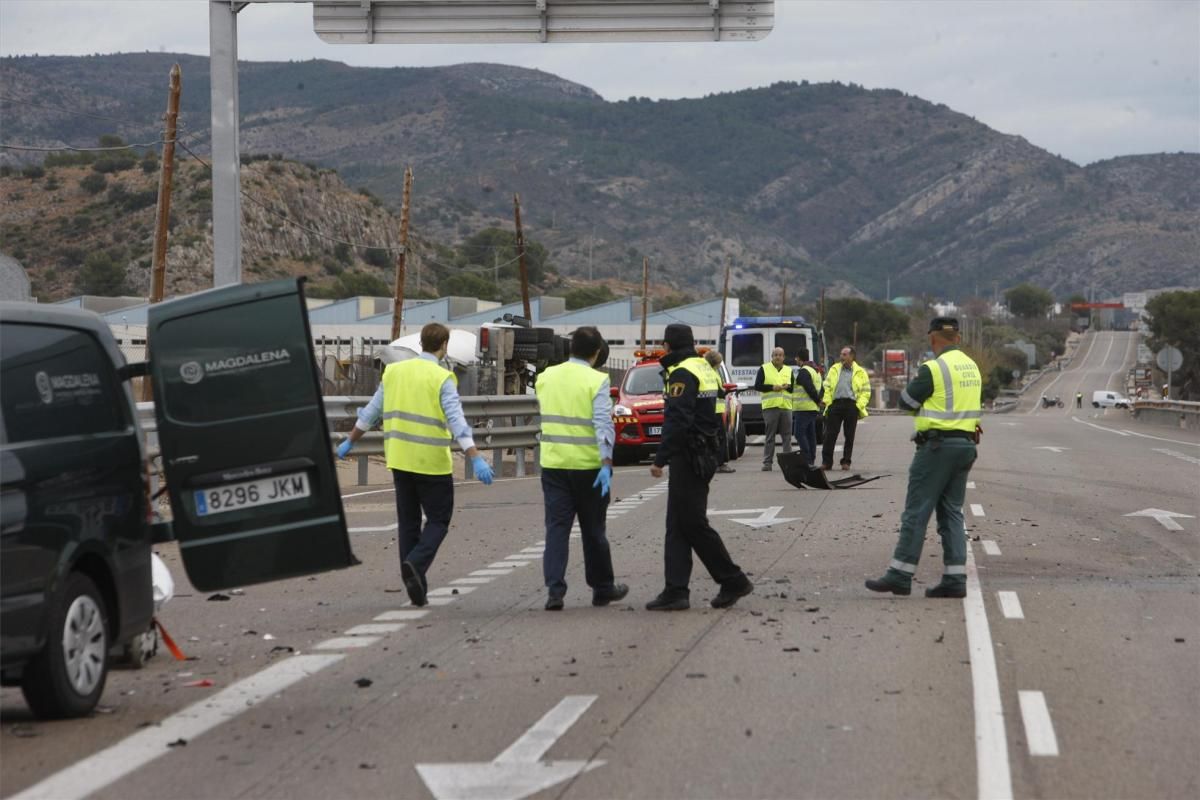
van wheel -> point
(741, 438)
(67, 678)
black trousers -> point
(842, 414)
(568, 494)
(433, 495)
(688, 530)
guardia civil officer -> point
(774, 382)
(419, 404)
(576, 460)
(945, 398)
(690, 438)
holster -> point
(702, 455)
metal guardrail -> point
(1184, 414)
(488, 415)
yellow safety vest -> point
(860, 384)
(565, 394)
(416, 436)
(772, 377)
(706, 376)
(955, 403)
(800, 399)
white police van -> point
(747, 344)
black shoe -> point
(730, 594)
(414, 583)
(884, 585)
(554, 603)
(669, 602)
(956, 590)
(726, 469)
(602, 597)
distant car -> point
(638, 411)
(1107, 399)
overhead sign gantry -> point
(449, 22)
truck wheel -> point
(67, 678)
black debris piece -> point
(217, 597)
(363, 683)
(180, 742)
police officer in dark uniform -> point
(944, 398)
(690, 437)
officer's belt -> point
(925, 436)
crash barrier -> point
(498, 423)
(1002, 405)
(1181, 414)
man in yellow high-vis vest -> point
(806, 405)
(576, 460)
(847, 393)
(421, 412)
(774, 383)
(945, 399)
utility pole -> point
(591, 246)
(645, 297)
(725, 292)
(783, 303)
(854, 341)
(821, 313)
(521, 258)
(398, 293)
(166, 173)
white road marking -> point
(519, 771)
(346, 643)
(480, 573)
(375, 528)
(406, 614)
(1127, 432)
(1039, 729)
(374, 628)
(447, 591)
(479, 581)
(534, 550)
(1176, 454)
(1052, 448)
(95, 772)
(521, 559)
(1164, 518)
(970, 484)
(990, 547)
(1010, 605)
(994, 781)
(441, 601)
(977, 510)
(509, 565)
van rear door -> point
(244, 439)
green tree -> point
(1175, 320)
(344, 253)
(469, 284)
(752, 302)
(876, 322)
(355, 284)
(586, 296)
(496, 247)
(1028, 301)
(102, 275)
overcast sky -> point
(1084, 79)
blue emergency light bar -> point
(769, 322)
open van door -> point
(244, 439)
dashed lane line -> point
(1010, 605)
(405, 614)
(970, 484)
(1039, 728)
(346, 643)
(990, 547)
(977, 510)
(97, 771)
(375, 628)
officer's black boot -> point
(885, 585)
(669, 601)
(732, 591)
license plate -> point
(248, 494)
(654, 430)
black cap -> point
(679, 336)
(943, 324)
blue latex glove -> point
(603, 480)
(344, 448)
(483, 470)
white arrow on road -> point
(1051, 448)
(766, 516)
(1163, 518)
(517, 772)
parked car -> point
(638, 410)
(246, 452)
(1107, 399)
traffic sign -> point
(1169, 359)
(533, 21)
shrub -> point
(93, 183)
(102, 275)
(377, 258)
(34, 171)
(149, 164)
(116, 162)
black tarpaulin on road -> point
(802, 476)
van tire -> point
(741, 437)
(78, 643)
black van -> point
(246, 456)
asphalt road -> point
(810, 687)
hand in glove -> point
(343, 449)
(603, 480)
(483, 470)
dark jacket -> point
(682, 415)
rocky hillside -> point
(796, 183)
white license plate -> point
(248, 494)
(654, 430)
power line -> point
(78, 149)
